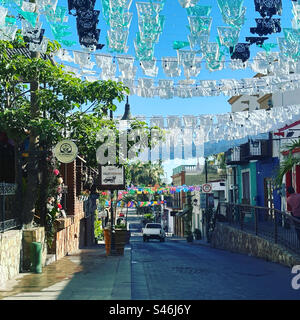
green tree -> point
(145, 174)
(37, 101)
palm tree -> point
(147, 174)
(288, 163)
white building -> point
(262, 101)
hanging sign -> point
(65, 151)
(111, 178)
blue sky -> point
(175, 29)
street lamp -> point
(127, 115)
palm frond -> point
(293, 145)
(285, 166)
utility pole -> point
(33, 155)
(206, 199)
(112, 227)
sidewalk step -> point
(50, 259)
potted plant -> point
(197, 234)
(121, 237)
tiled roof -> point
(26, 52)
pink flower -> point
(56, 172)
(50, 200)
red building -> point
(282, 138)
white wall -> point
(170, 221)
(286, 98)
(278, 145)
(239, 105)
(279, 99)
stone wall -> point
(10, 255)
(67, 236)
(235, 240)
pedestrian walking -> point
(293, 201)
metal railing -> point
(268, 223)
(8, 217)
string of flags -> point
(226, 126)
(281, 68)
(281, 74)
(118, 17)
(156, 189)
(148, 190)
(138, 204)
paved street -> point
(176, 269)
(171, 270)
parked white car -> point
(154, 231)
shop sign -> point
(65, 151)
(112, 177)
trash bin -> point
(36, 257)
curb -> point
(122, 284)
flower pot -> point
(121, 238)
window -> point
(255, 148)
(268, 193)
(153, 226)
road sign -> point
(207, 187)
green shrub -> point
(149, 216)
(98, 231)
(120, 226)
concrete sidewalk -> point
(85, 275)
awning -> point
(182, 212)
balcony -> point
(258, 149)
(236, 155)
(188, 169)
